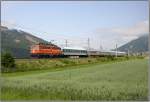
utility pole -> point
(101, 48)
(88, 44)
(116, 50)
(130, 47)
(66, 43)
(128, 52)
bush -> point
(127, 57)
(140, 57)
(89, 61)
(111, 57)
(7, 62)
(68, 62)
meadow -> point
(120, 80)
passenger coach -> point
(74, 51)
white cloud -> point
(135, 30)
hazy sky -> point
(106, 23)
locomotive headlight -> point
(33, 51)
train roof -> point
(74, 48)
(109, 51)
(117, 52)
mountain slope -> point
(17, 42)
(136, 46)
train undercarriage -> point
(56, 56)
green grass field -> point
(126, 80)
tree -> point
(7, 62)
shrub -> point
(127, 57)
(68, 62)
(7, 62)
(89, 61)
(111, 57)
(140, 57)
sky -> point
(105, 23)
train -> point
(49, 50)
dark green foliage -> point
(7, 62)
(127, 57)
(89, 61)
(111, 57)
(140, 57)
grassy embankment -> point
(125, 80)
(24, 65)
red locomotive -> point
(45, 50)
